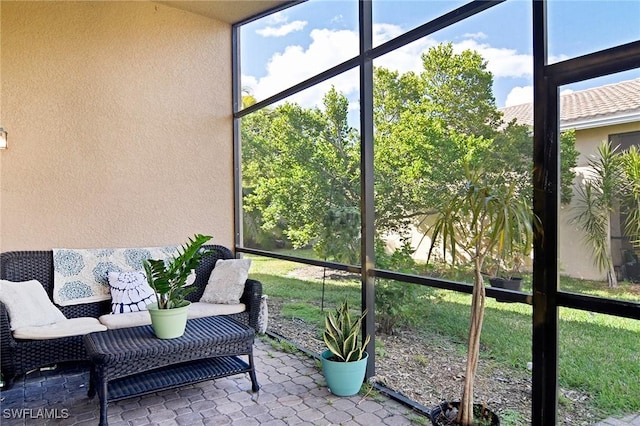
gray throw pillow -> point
(226, 283)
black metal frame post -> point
(367, 203)
(546, 163)
(236, 97)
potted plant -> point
(344, 363)
(486, 215)
(171, 280)
(511, 279)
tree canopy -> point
(301, 166)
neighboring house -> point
(610, 112)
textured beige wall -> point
(120, 126)
(588, 140)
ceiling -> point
(229, 11)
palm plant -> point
(170, 279)
(631, 168)
(596, 201)
(485, 215)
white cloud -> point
(558, 58)
(405, 59)
(330, 47)
(249, 83)
(385, 32)
(478, 36)
(347, 83)
(277, 18)
(519, 95)
(338, 19)
(524, 95)
(282, 30)
(295, 64)
(502, 62)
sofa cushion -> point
(196, 310)
(64, 328)
(226, 282)
(202, 309)
(129, 319)
(28, 304)
(130, 292)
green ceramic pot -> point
(168, 323)
(343, 378)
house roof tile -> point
(610, 104)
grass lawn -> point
(598, 354)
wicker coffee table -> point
(132, 361)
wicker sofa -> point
(21, 356)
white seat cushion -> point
(64, 328)
(129, 319)
(196, 310)
(202, 309)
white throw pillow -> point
(28, 304)
(130, 292)
(226, 283)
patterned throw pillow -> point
(226, 283)
(130, 292)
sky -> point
(285, 48)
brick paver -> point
(293, 392)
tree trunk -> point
(465, 415)
(612, 279)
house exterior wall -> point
(575, 256)
(120, 127)
(576, 259)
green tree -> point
(301, 166)
(568, 161)
(458, 88)
(426, 125)
(301, 172)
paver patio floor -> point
(293, 391)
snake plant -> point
(342, 332)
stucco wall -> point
(576, 259)
(119, 120)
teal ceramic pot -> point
(168, 323)
(343, 378)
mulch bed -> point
(428, 371)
